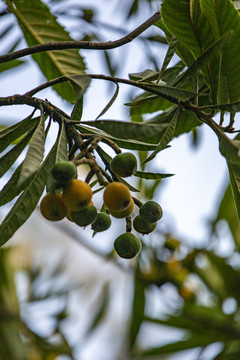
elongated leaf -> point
(11, 156)
(151, 176)
(204, 59)
(224, 17)
(166, 138)
(127, 130)
(11, 190)
(61, 154)
(35, 152)
(227, 211)
(234, 172)
(109, 104)
(28, 200)
(9, 134)
(80, 84)
(125, 144)
(231, 107)
(39, 26)
(172, 92)
(230, 149)
(138, 307)
(169, 55)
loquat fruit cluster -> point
(72, 198)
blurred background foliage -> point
(174, 301)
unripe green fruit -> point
(151, 211)
(124, 164)
(127, 245)
(102, 222)
(84, 217)
(64, 171)
(142, 226)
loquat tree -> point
(201, 89)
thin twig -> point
(82, 44)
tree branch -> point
(82, 44)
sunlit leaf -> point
(39, 26)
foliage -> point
(202, 87)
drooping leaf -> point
(151, 176)
(11, 189)
(9, 134)
(8, 159)
(169, 55)
(27, 201)
(127, 130)
(35, 152)
(80, 84)
(166, 138)
(39, 26)
(227, 211)
(109, 104)
(125, 144)
(234, 172)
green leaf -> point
(109, 104)
(9, 134)
(169, 55)
(39, 26)
(125, 144)
(231, 107)
(204, 59)
(7, 160)
(151, 176)
(35, 152)
(170, 91)
(128, 130)
(230, 149)
(27, 201)
(137, 312)
(186, 21)
(234, 172)
(11, 189)
(61, 154)
(166, 138)
(224, 17)
(227, 211)
(80, 84)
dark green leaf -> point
(125, 144)
(9, 134)
(167, 136)
(11, 190)
(169, 55)
(11, 156)
(109, 104)
(27, 201)
(234, 171)
(128, 130)
(35, 152)
(151, 176)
